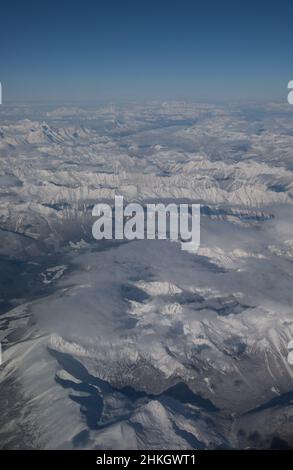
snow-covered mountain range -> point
(140, 344)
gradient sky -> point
(120, 50)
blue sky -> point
(123, 50)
